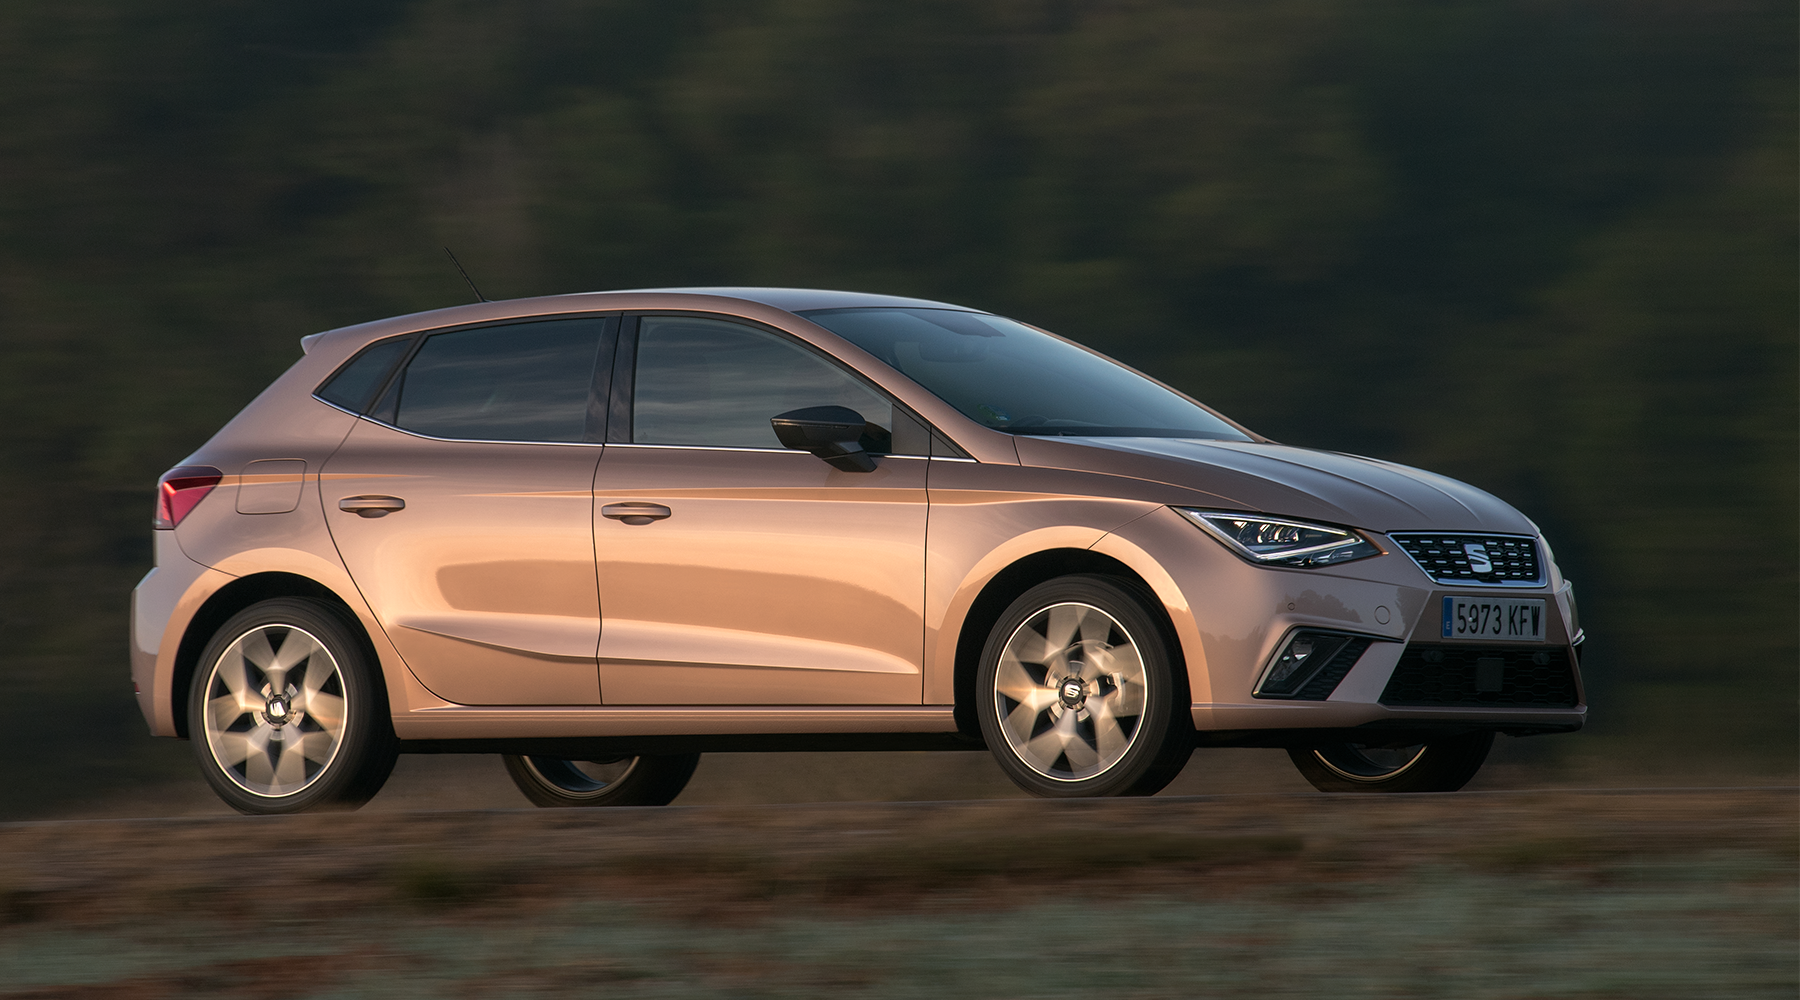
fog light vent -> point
(1310, 665)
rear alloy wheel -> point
(555, 782)
(1077, 695)
(286, 712)
(1442, 765)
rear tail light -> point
(180, 489)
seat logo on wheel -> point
(274, 710)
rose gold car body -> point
(781, 600)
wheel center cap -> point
(1073, 692)
(277, 711)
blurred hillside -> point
(1545, 247)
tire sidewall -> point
(1161, 742)
(1445, 765)
(366, 751)
(654, 781)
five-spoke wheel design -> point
(1077, 694)
(284, 711)
(1443, 764)
(619, 780)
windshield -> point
(1015, 379)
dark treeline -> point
(1546, 246)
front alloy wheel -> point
(285, 712)
(1077, 695)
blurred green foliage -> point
(1546, 246)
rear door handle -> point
(635, 512)
(371, 506)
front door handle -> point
(635, 512)
(371, 506)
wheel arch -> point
(235, 597)
(1020, 576)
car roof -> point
(800, 299)
(785, 299)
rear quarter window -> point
(353, 386)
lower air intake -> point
(1475, 676)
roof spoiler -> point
(306, 342)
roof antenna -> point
(465, 274)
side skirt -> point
(744, 725)
(588, 748)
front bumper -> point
(1242, 614)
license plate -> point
(1493, 619)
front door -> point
(462, 507)
(736, 572)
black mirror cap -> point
(830, 432)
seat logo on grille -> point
(1478, 558)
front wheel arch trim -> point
(1007, 585)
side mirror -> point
(830, 432)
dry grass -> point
(1546, 894)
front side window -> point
(715, 383)
(1013, 378)
(523, 382)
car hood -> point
(1279, 479)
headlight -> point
(1278, 541)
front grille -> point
(1475, 676)
(1511, 560)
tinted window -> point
(527, 382)
(712, 382)
(354, 383)
(1019, 380)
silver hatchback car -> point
(601, 534)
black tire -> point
(1053, 707)
(1442, 765)
(556, 783)
(323, 741)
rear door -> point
(734, 571)
(462, 507)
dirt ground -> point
(1503, 893)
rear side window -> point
(715, 383)
(358, 380)
(523, 382)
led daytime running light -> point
(1278, 541)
